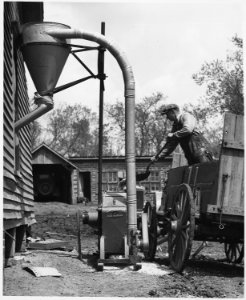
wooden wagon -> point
(203, 202)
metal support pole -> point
(101, 100)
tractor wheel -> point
(234, 252)
(45, 188)
(182, 226)
(150, 211)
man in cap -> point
(184, 132)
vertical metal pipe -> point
(101, 100)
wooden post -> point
(10, 236)
(79, 239)
(20, 238)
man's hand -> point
(122, 183)
(154, 158)
(170, 135)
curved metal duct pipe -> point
(129, 85)
(45, 104)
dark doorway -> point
(85, 182)
(51, 183)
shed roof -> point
(115, 158)
(43, 154)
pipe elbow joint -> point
(45, 99)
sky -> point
(166, 42)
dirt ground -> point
(207, 275)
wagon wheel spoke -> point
(185, 215)
(184, 211)
(185, 226)
(184, 234)
(181, 236)
(152, 234)
(178, 252)
(173, 217)
(173, 242)
(237, 247)
(152, 230)
(178, 210)
(182, 201)
(234, 252)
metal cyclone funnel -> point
(44, 55)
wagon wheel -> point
(182, 229)
(150, 210)
(234, 252)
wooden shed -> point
(53, 176)
(18, 211)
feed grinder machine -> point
(110, 219)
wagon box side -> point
(176, 176)
(202, 178)
(230, 192)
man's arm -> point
(167, 149)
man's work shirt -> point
(192, 142)
(184, 125)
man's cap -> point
(166, 107)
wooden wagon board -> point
(230, 196)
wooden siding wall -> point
(17, 160)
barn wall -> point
(75, 186)
(17, 160)
(87, 165)
(74, 191)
